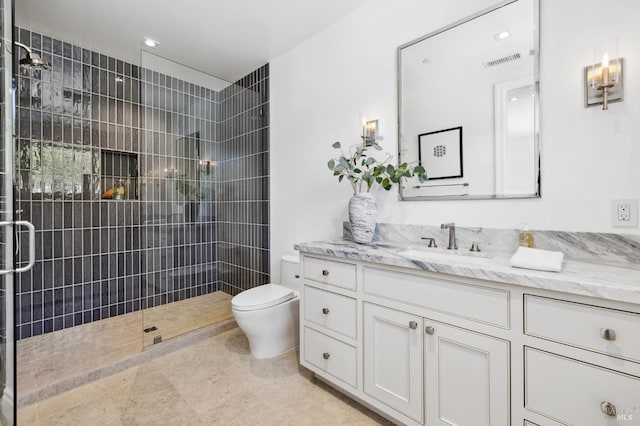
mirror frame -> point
(537, 136)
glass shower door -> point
(7, 374)
(8, 224)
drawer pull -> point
(326, 355)
(413, 325)
(608, 408)
(325, 272)
(608, 334)
(429, 330)
(325, 311)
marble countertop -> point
(619, 283)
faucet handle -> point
(475, 246)
(432, 241)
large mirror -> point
(469, 106)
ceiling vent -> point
(501, 61)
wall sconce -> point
(370, 132)
(206, 165)
(603, 82)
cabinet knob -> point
(608, 408)
(325, 311)
(413, 325)
(429, 330)
(326, 355)
(297, 276)
(608, 334)
(325, 272)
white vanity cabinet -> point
(466, 377)
(393, 359)
(425, 348)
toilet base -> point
(271, 331)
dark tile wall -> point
(243, 175)
(101, 258)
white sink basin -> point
(435, 256)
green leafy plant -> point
(363, 170)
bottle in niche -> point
(119, 190)
(526, 237)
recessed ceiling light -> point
(149, 42)
(513, 99)
(502, 35)
(426, 61)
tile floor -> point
(52, 357)
(213, 382)
(177, 318)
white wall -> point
(321, 89)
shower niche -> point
(119, 175)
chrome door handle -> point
(32, 246)
(608, 334)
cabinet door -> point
(466, 377)
(393, 345)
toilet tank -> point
(290, 272)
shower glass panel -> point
(177, 198)
(7, 374)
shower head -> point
(32, 60)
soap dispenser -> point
(526, 237)
(119, 190)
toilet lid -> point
(261, 297)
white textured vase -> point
(363, 213)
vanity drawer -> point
(573, 392)
(474, 302)
(330, 272)
(331, 311)
(330, 355)
(583, 326)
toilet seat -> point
(262, 297)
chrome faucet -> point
(452, 235)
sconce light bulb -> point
(605, 60)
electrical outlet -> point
(624, 213)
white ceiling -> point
(224, 38)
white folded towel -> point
(541, 260)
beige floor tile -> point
(180, 317)
(28, 415)
(52, 357)
(103, 413)
(154, 401)
(213, 382)
(114, 390)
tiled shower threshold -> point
(47, 367)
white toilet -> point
(268, 314)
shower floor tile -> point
(52, 357)
(215, 381)
(174, 319)
(49, 358)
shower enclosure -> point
(148, 187)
